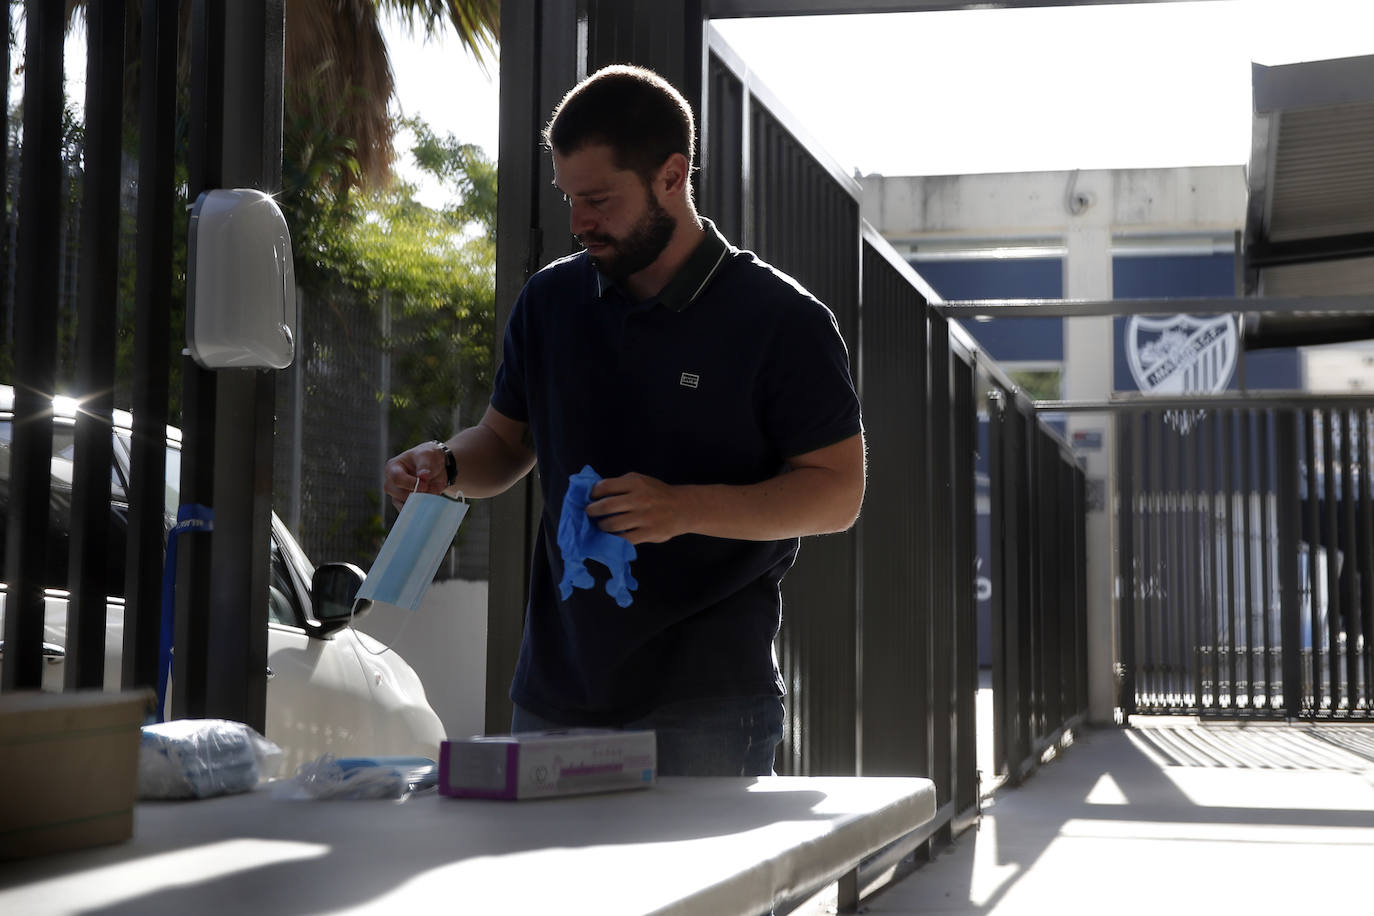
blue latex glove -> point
(579, 539)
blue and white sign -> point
(1183, 354)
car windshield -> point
(285, 551)
(171, 477)
(63, 455)
(60, 508)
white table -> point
(708, 846)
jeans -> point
(727, 736)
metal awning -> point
(1309, 228)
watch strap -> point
(450, 463)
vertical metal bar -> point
(942, 503)
(1247, 489)
(1202, 566)
(965, 582)
(152, 323)
(1026, 608)
(723, 168)
(847, 892)
(1000, 564)
(535, 70)
(1126, 554)
(1266, 600)
(205, 143)
(1346, 544)
(1055, 609)
(6, 313)
(1031, 576)
(1206, 565)
(238, 98)
(1287, 510)
(1153, 558)
(89, 569)
(1330, 540)
(926, 520)
(1016, 554)
(1194, 556)
(892, 312)
(1155, 542)
(1044, 622)
(825, 581)
(1228, 470)
(1313, 529)
(35, 347)
(1366, 552)
(1176, 607)
(1034, 574)
(1039, 500)
(1050, 618)
(1042, 537)
(1080, 521)
(1068, 619)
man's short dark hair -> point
(634, 111)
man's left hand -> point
(638, 508)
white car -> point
(330, 688)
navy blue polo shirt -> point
(729, 371)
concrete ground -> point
(1169, 815)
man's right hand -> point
(416, 470)
(491, 456)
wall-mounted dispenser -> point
(240, 285)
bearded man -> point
(710, 392)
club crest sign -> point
(1183, 354)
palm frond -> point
(337, 58)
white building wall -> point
(1008, 207)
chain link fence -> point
(333, 437)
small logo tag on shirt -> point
(689, 380)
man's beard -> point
(637, 250)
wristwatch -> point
(450, 463)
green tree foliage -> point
(425, 275)
(1039, 385)
(433, 270)
(436, 272)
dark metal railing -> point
(1247, 558)
(1038, 564)
(878, 645)
(35, 352)
(234, 124)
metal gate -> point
(1246, 558)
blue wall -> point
(1134, 277)
(1005, 278)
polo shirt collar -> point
(693, 277)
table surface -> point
(716, 846)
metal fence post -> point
(1126, 490)
(35, 356)
(1286, 468)
(89, 566)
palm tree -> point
(338, 70)
(336, 58)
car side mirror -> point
(332, 590)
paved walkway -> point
(1169, 816)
